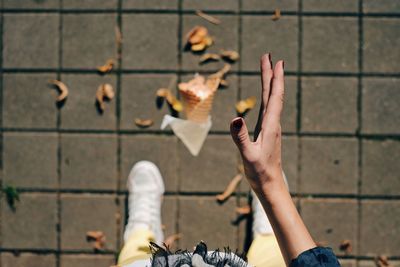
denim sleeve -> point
(316, 257)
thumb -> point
(240, 134)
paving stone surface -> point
(329, 105)
(22, 49)
(329, 165)
(375, 226)
(331, 222)
(30, 160)
(33, 223)
(29, 101)
(330, 44)
(380, 98)
(70, 162)
(27, 259)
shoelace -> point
(144, 207)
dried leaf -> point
(245, 210)
(98, 238)
(12, 195)
(346, 246)
(199, 39)
(245, 105)
(209, 57)
(104, 91)
(277, 14)
(207, 17)
(382, 261)
(106, 67)
(62, 88)
(222, 72)
(171, 99)
(230, 188)
(143, 123)
(170, 240)
(230, 55)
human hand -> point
(262, 158)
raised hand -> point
(262, 157)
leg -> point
(264, 250)
(146, 188)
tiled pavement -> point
(341, 122)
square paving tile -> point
(330, 44)
(150, 41)
(27, 259)
(88, 40)
(33, 223)
(22, 49)
(261, 35)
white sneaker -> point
(261, 224)
(146, 188)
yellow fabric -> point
(264, 252)
(136, 248)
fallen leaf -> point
(230, 55)
(143, 123)
(245, 210)
(346, 246)
(230, 188)
(62, 88)
(277, 14)
(222, 72)
(12, 195)
(98, 238)
(382, 261)
(207, 17)
(170, 240)
(209, 57)
(245, 105)
(198, 38)
(104, 91)
(166, 94)
(106, 67)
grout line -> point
(299, 97)
(1, 121)
(359, 119)
(214, 12)
(119, 221)
(59, 143)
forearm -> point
(290, 231)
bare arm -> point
(262, 164)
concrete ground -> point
(341, 146)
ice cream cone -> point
(196, 109)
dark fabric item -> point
(163, 257)
(316, 257)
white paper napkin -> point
(192, 134)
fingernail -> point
(237, 124)
(283, 64)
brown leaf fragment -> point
(277, 14)
(143, 123)
(198, 38)
(245, 210)
(170, 240)
(346, 246)
(98, 238)
(230, 55)
(62, 88)
(106, 67)
(382, 261)
(104, 92)
(207, 17)
(245, 105)
(166, 94)
(230, 188)
(209, 57)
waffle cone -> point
(196, 109)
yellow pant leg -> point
(264, 252)
(136, 248)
